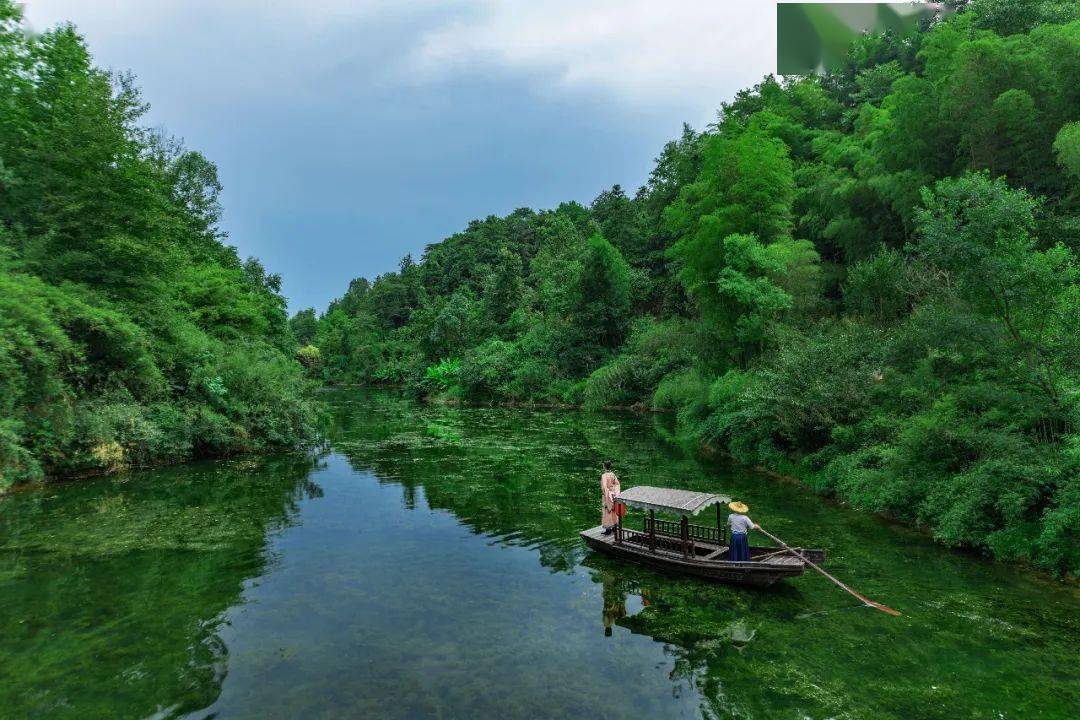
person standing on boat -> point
(609, 490)
(741, 525)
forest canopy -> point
(130, 334)
(866, 279)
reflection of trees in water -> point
(121, 584)
(528, 478)
(532, 479)
(311, 489)
(525, 478)
(706, 630)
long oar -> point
(866, 601)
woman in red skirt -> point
(609, 490)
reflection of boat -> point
(693, 549)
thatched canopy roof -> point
(682, 502)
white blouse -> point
(740, 523)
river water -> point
(428, 566)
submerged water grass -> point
(430, 567)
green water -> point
(428, 566)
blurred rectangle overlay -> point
(815, 37)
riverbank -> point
(1067, 578)
(114, 472)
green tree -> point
(304, 325)
(620, 222)
(131, 333)
(1067, 147)
(601, 301)
(979, 230)
(503, 289)
(785, 287)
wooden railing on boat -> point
(659, 542)
(674, 536)
(694, 532)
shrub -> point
(311, 358)
(654, 349)
(687, 393)
(486, 369)
(442, 376)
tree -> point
(745, 186)
(503, 289)
(304, 326)
(1008, 17)
(310, 357)
(449, 326)
(979, 230)
(130, 333)
(795, 299)
(354, 298)
(732, 228)
(601, 300)
(1067, 147)
(620, 222)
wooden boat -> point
(698, 550)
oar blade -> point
(866, 601)
(884, 608)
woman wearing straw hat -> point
(740, 525)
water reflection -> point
(114, 590)
(798, 649)
(430, 567)
(614, 602)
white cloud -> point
(247, 47)
(297, 14)
(643, 51)
(639, 52)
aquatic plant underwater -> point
(407, 572)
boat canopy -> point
(681, 502)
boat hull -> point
(747, 574)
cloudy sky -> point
(349, 132)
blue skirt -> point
(740, 548)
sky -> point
(348, 133)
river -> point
(428, 566)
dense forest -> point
(130, 334)
(865, 279)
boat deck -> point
(668, 547)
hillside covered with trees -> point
(866, 279)
(130, 334)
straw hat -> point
(738, 507)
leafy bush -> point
(486, 370)
(443, 376)
(129, 334)
(653, 350)
(310, 357)
(687, 393)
